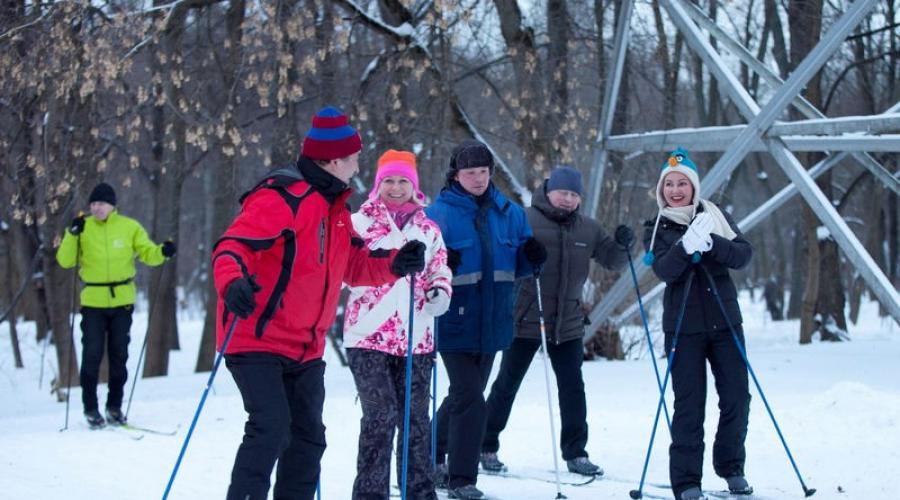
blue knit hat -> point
(331, 136)
(565, 177)
(678, 161)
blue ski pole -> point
(806, 491)
(637, 290)
(409, 366)
(638, 493)
(209, 382)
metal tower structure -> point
(839, 138)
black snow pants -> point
(566, 359)
(381, 385)
(689, 384)
(283, 399)
(461, 417)
(104, 329)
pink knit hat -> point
(402, 163)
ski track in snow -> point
(838, 405)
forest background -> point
(183, 105)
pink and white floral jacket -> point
(376, 317)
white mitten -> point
(698, 241)
(703, 223)
(437, 302)
(691, 242)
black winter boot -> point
(467, 492)
(115, 416)
(94, 419)
(490, 463)
(583, 466)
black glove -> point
(239, 296)
(409, 259)
(535, 252)
(454, 259)
(77, 225)
(168, 248)
(624, 237)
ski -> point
(137, 428)
(583, 481)
(132, 436)
(730, 495)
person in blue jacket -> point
(489, 245)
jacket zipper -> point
(322, 241)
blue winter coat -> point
(489, 239)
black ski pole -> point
(638, 493)
(637, 291)
(806, 491)
(71, 352)
(408, 397)
(137, 371)
(209, 382)
(434, 380)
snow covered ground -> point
(838, 406)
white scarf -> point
(684, 216)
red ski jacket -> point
(298, 248)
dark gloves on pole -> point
(409, 259)
(624, 237)
(454, 259)
(535, 252)
(77, 225)
(169, 248)
(239, 297)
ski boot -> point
(115, 416)
(490, 463)
(94, 419)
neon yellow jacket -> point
(108, 249)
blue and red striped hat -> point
(331, 136)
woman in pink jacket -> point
(376, 327)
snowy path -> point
(838, 405)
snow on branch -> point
(408, 34)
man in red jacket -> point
(288, 251)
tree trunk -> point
(223, 195)
(170, 168)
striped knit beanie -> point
(331, 136)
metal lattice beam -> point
(760, 121)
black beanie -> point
(469, 154)
(103, 192)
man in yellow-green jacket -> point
(104, 245)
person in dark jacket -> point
(289, 250)
(685, 227)
(489, 245)
(572, 241)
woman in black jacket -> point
(691, 236)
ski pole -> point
(806, 491)
(434, 380)
(409, 366)
(209, 382)
(137, 371)
(546, 354)
(71, 352)
(637, 290)
(638, 493)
